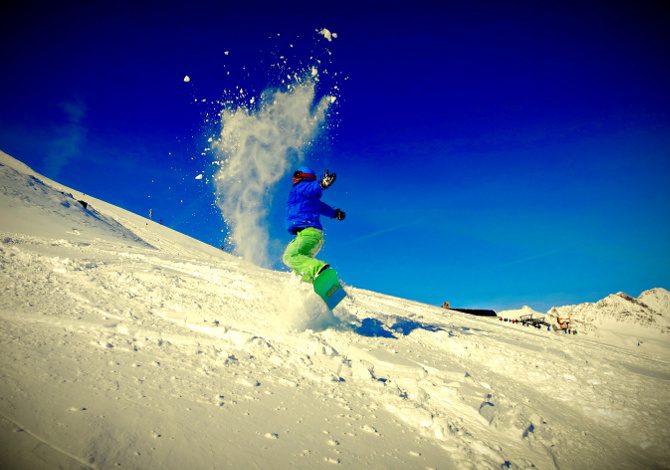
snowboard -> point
(329, 288)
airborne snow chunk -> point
(327, 34)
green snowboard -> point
(329, 288)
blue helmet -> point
(307, 170)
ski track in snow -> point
(127, 344)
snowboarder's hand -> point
(339, 214)
(327, 179)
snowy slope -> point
(126, 344)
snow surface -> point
(126, 344)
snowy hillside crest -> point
(124, 343)
(516, 313)
(651, 310)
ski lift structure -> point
(536, 322)
(565, 325)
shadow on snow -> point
(371, 327)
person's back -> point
(303, 219)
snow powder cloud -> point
(256, 149)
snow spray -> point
(299, 309)
(256, 149)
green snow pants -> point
(299, 254)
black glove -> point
(339, 214)
(327, 179)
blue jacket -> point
(305, 207)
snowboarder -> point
(303, 220)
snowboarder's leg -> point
(299, 254)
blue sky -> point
(487, 154)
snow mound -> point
(519, 312)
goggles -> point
(298, 176)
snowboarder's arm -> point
(326, 210)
